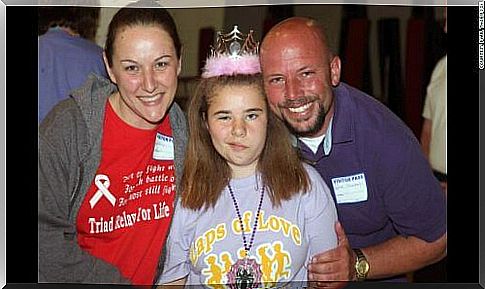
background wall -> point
(191, 20)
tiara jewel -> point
(234, 53)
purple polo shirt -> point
(378, 176)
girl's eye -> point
(252, 116)
(223, 118)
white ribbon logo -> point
(103, 191)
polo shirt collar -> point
(343, 117)
(327, 140)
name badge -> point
(350, 189)
(163, 147)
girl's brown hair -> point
(206, 173)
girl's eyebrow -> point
(253, 109)
(256, 109)
(222, 112)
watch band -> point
(361, 265)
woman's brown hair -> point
(134, 16)
(206, 173)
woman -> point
(109, 157)
(251, 214)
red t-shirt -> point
(126, 212)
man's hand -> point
(333, 265)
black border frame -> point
(464, 202)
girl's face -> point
(145, 69)
(237, 120)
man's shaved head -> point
(293, 29)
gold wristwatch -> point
(361, 265)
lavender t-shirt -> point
(204, 244)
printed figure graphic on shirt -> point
(266, 263)
(271, 268)
(214, 271)
(281, 258)
(274, 259)
(227, 261)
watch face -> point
(362, 267)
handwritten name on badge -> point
(163, 147)
(350, 189)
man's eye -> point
(307, 73)
(276, 80)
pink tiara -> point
(229, 57)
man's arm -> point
(395, 256)
(401, 255)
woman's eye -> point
(160, 65)
(131, 68)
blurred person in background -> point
(67, 52)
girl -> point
(251, 213)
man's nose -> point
(293, 88)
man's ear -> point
(335, 66)
(108, 68)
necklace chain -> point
(253, 233)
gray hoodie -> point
(69, 155)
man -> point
(390, 205)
